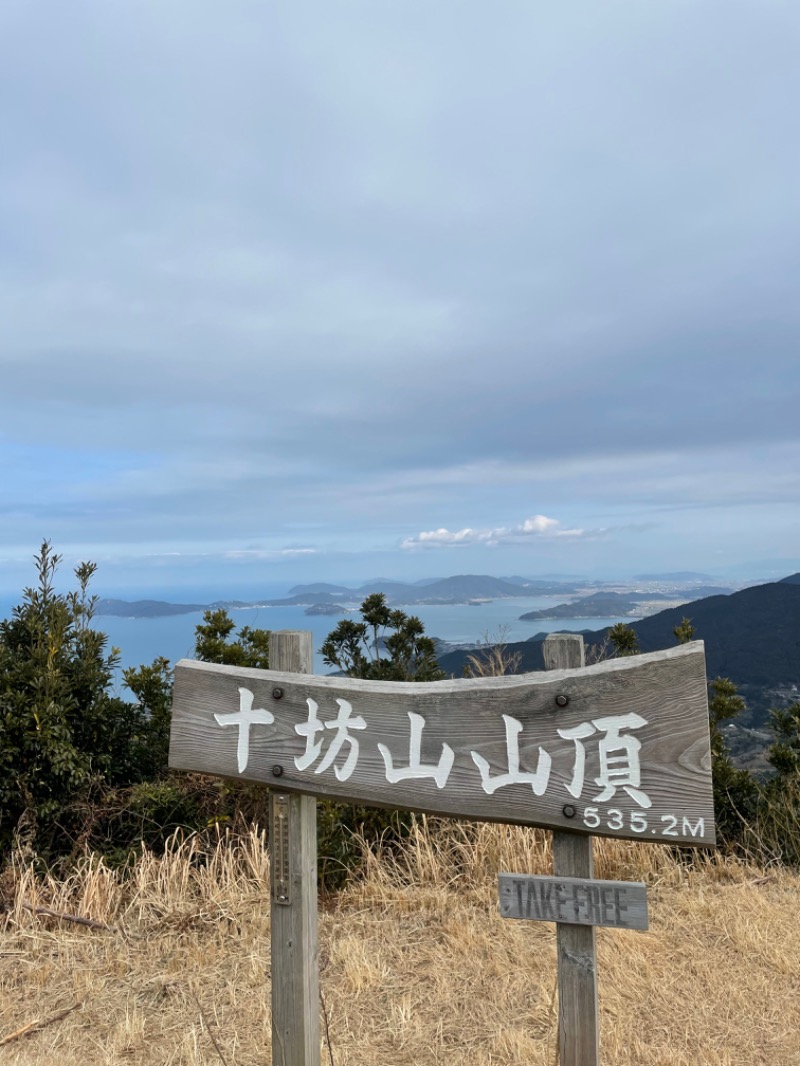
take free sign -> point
(616, 749)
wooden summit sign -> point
(619, 749)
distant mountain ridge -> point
(462, 588)
(458, 589)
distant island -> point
(621, 604)
(598, 605)
(462, 589)
(145, 608)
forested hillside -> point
(752, 636)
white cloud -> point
(540, 524)
(537, 526)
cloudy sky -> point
(326, 290)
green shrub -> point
(63, 736)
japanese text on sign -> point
(618, 751)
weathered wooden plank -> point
(293, 907)
(576, 945)
(616, 749)
(577, 900)
(563, 651)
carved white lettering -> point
(416, 770)
(245, 717)
(538, 780)
(343, 723)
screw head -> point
(277, 693)
(568, 811)
(277, 770)
(562, 700)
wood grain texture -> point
(293, 927)
(576, 945)
(563, 651)
(666, 689)
(291, 651)
(577, 900)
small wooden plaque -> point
(574, 900)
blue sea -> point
(140, 640)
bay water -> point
(140, 640)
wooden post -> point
(578, 1018)
(293, 899)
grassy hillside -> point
(416, 965)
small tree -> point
(385, 645)
(212, 643)
(63, 733)
(152, 687)
(784, 754)
(724, 703)
(684, 631)
(357, 648)
(735, 790)
(624, 640)
(779, 822)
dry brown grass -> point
(417, 966)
